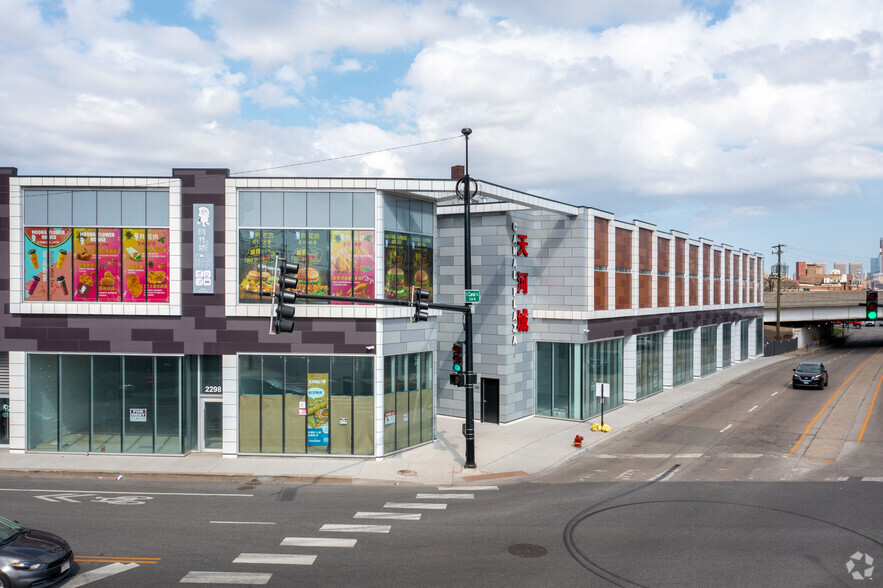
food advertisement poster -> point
(60, 263)
(363, 264)
(109, 242)
(317, 409)
(318, 262)
(272, 245)
(296, 252)
(84, 245)
(134, 263)
(35, 274)
(249, 264)
(157, 265)
(341, 264)
(395, 279)
(421, 262)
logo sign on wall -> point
(203, 248)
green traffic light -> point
(872, 315)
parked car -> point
(810, 374)
(869, 323)
(31, 558)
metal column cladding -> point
(203, 248)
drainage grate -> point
(527, 550)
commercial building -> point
(133, 319)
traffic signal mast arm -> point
(440, 306)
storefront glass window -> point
(110, 404)
(602, 364)
(758, 348)
(727, 344)
(649, 364)
(682, 353)
(306, 404)
(407, 400)
(744, 347)
(708, 336)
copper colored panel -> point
(645, 291)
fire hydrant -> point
(578, 441)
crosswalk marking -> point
(99, 574)
(872, 479)
(356, 528)
(398, 516)
(649, 456)
(426, 505)
(449, 488)
(461, 496)
(275, 558)
(225, 578)
(317, 542)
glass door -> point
(210, 424)
(4, 420)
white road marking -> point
(356, 528)
(449, 488)
(317, 542)
(397, 516)
(276, 558)
(225, 578)
(241, 523)
(99, 574)
(94, 492)
(426, 505)
(725, 428)
(650, 456)
(753, 408)
(774, 393)
(872, 479)
(447, 496)
(660, 474)
(626, 475)
(740, 455)
(69, 497)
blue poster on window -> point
(317, 409)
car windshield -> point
(809, 368)
(8, 529)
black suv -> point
(810, 373)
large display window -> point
(682, 355)
(649, 364)
(708, 351)
(306, 404)
(107, 404)
(407, 400)
(567, 375)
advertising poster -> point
(395, 279)
(60, 263)
(249, 264)
(35, 273)
(318, 264)
(85, 255)
(157, 248)
(363, 264)
(134, 264)
(317, 409)
(296, 252)
(341, 264)
(108, 269)
(421, 262)
(271, 246)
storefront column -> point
(630, 369)
(668, 359)
(17, 402)
(230, 395)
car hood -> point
(806, 374)
(36, 546)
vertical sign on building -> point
(520, 315)
(203, 249)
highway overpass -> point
(809, 307)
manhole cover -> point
(527, 550)
(406, 473)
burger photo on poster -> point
(395, 284)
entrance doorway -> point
(210, 424)
(4, 420)
(490, 400)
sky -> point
(749, 122)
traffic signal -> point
(420, 300)
(457, 378)
(285, 296)
(871, 311)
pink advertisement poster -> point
(363, 264)
(85, 256)
(134, 263)
(60, 263)
(108, 269)
(157, 265)
(341, 265)
(35, 274)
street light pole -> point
(469, 429)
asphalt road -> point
(756, 484)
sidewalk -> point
(514, 451)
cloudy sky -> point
(751, 123)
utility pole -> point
(778, 251)
(469, 428)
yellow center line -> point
(870, 408)
(809, 426)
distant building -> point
(841, 267)
(875, 265)
(855, 268)
(801, 270)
